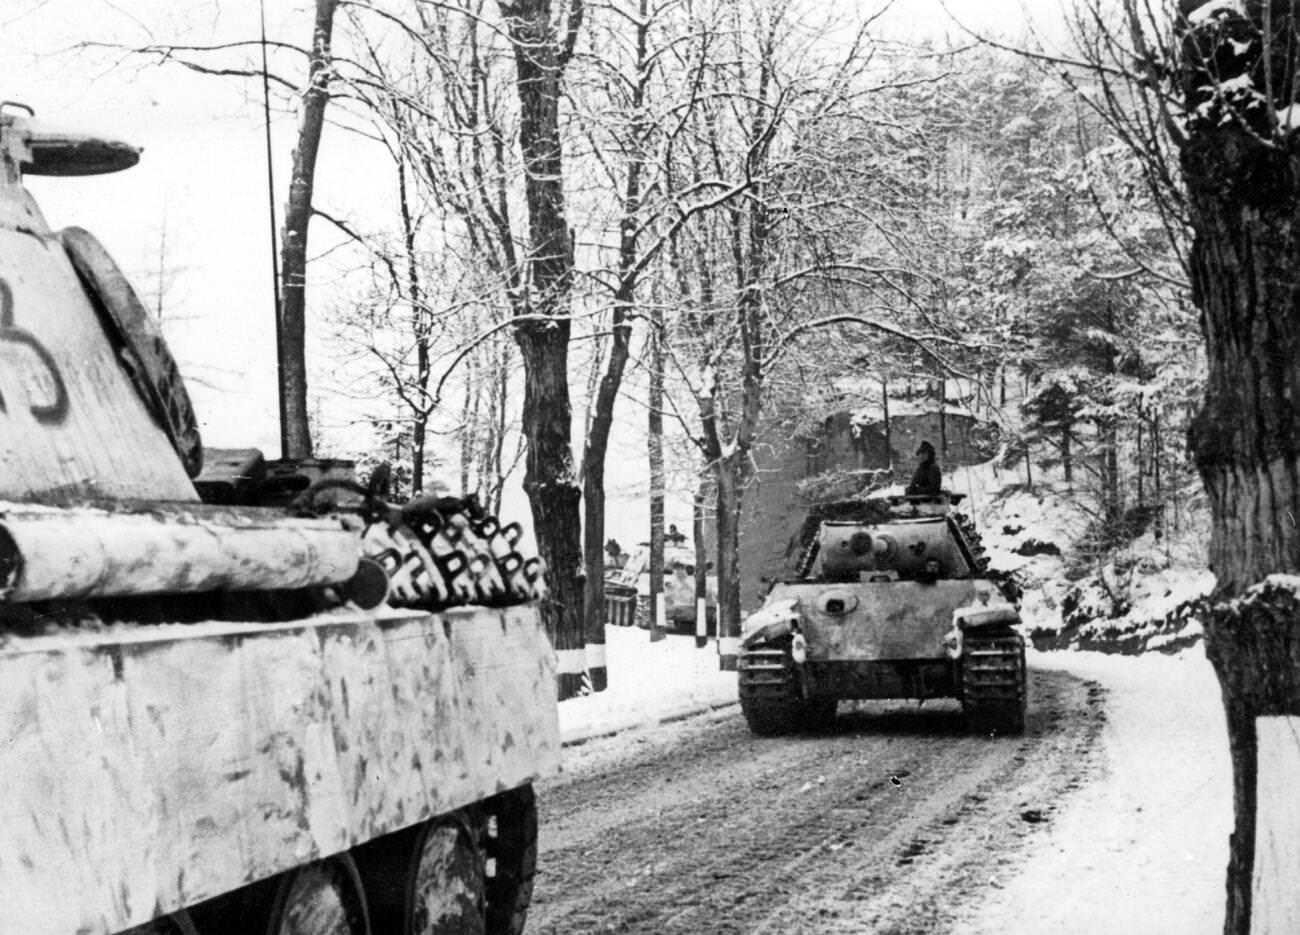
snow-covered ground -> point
(649, 683)
(1141, 849)
(1144, 848)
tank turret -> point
(249, 695)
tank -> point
(237, 694)
(630, 585)
(891, 597)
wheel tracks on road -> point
(892, 820)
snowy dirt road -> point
(894, 822)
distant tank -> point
(630, 584)
(891, 598)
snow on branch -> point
(924, 342)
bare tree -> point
(632, 92)
(1205, 95)
(1240, 160)
(749, 271)
(541, 296)
(291, 349)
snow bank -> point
(648, 683)
(1144, 847)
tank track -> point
(446, 551)
(974, 541)
(769, 693)
(436, 552)
(511, 847)
(993, 679)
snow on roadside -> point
(648, 684)
(1141, 848)
(1144, 847)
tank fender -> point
(773, 621)
(977, 617)
(967, 618)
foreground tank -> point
(236, 695)
(891, 599)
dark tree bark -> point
(542, 330)
(1243, 184)
(733, 475)
(295, 429)
(655, 454)
(889, 435)
(593, 459)
(701, 570)
(943, 418)
(734, 463)
(419, 395)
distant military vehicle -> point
(891, 598)
(681, 610)
(228, 704)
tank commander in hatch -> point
(928, 478)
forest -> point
(721, 220)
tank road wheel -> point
(447, 881)
(469, 872)
(429, 878)
(511, 848)
(322, 898)
(993, 679)
(770, 697)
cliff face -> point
(844, 457)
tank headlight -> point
(837, 603)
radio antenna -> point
(275, 238)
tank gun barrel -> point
(53, 553)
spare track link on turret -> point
(993, 678)
(436, 552)
(770, 697)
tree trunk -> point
(1141, 456)
(419, 399)
(612, 382)
(543, 335)
(732, 475)
(1156, 479)
(1112, 495)
(291, 344)
(1241, 263)
(1067, 462)
(593, 481)
(655, 451)
(1243, 192)
(553, 494)
(889, 436)
(943, 417)
(701, 570)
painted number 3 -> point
(47, 396)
